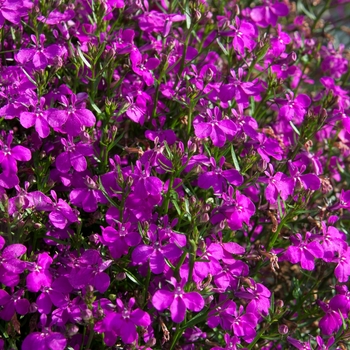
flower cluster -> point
(174, 174)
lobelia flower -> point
(156, 252)
(177, 300)
(341, 301)
(243, 33)
(40, 275)
(268, 14)
(268, 148)
(40, 56)
(331, 321)
(10, 155)
(322, 345)
(304, 251)
(294, 108)
(87, 195)
(119, 241)
(299, 345)
(230, 274)
(45, 339)
(342, 270)
(332, 242)
(235, 211)
(208, 263)
(307, 181)
(73, 117)
(238, 90)
(212, 125)
(231, 343)
(259, 297)
(125, 322)
(142, 66)
(219, 178)
(146, 185)
(10, 266)
(278, 44)
(12, 11)
(10, 304)
(38, 117)
(57, 294)
(277, 184)
(61, 214)
(73, 156)
(88, 270)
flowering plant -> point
(174, 174)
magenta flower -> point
(331, 321)
(40, 275)
(277, 183)
(177, 300)
(87, 195)
(12, 10)
(10, 266)
(268, 14)
(40, 56)
(219, 178)
(124, 322)
(231, 343)
(10, 155)
(307, 181)
(342, 270)
(243, 33)
(212, 125)
(12, 303)
(294, 108)
(278, 44)
(73, 117)
(74, 155)
(37, 118)
(142, 65)
(156, 252)
(118, 241)
(304, 251)
(44, 340)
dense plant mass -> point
(174, 174)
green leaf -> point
(81, 55)
(222, 47)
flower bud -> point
(86, 315)
(282, 329)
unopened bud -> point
(282, 329)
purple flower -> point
(74, 117)
(46, 339)
(61, 214)
(88, 269)
(74, 155)
(238, 90)
(38, 117)
(342, 270)
(40, 56)
(212, 125)
(10, 155)
(124, 322)
(177, 300)
(259, 297)
(119, 241)
(243, 33)
(87, 195)
(331, 321)
(231, 343)
(11, 10)
(10, 266)
(307, 181)
(156, 252)
(9, 304)
(219, 178)
(304, 251)
(278, 44)
(236, 211)
(57, 294)
(40, 275)
(142, 65)
(268, 13)
(294, 108)
(278, 183)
